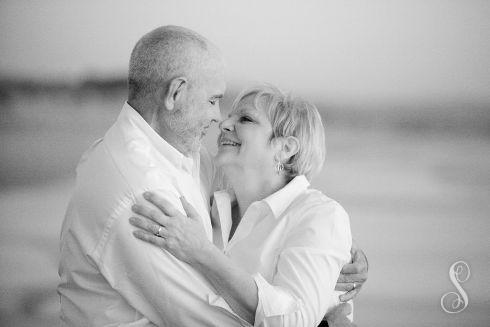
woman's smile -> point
(226, 141)
(244, 138)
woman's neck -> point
(251, 186)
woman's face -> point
(244, 141)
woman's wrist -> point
(203, 255)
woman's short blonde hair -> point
(292, 116)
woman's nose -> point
(226, 125)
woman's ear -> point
(290, 147)
(174, 92)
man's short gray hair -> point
(292, 116)
(165, 53)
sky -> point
(358, 50)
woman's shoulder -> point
(312, 201)
(318, 220)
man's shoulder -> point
(97, 169)
(119, 169)
(108, 181)
(104, 191)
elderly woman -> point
(282, 244)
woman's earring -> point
(279, 167)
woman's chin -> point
(223, 158)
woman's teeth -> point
(229, 143)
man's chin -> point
(196, 145)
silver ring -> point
(158, 232)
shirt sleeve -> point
(302, 288)
(150, 279)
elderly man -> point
(176, 79)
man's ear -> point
(174, 92)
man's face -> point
(199, 108)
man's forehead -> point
(215, 86)
(211, 86)
(209, 71)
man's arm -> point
(162, 288)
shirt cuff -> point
(272, 301)
(218, 301)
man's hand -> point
(353, 275)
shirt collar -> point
(277, 202)
(280, 200)
(130, 115)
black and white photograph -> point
(245, 163)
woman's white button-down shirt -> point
(295, 243)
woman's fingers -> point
(150, 213)
(149, 226)
(161, 203)
(150, 238)
(189, 209)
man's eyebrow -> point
(217, 96)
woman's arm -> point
(307, 267)
(185, 238)
(233, 283)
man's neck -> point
(175, 141)
(151, 117)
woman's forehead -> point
(249, 104)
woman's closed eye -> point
(245, 119)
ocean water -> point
(419, 200)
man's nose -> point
(215, 114)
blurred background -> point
(403, 87)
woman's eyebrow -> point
(248, 109)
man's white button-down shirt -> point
(108, 277)
(294, 243)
